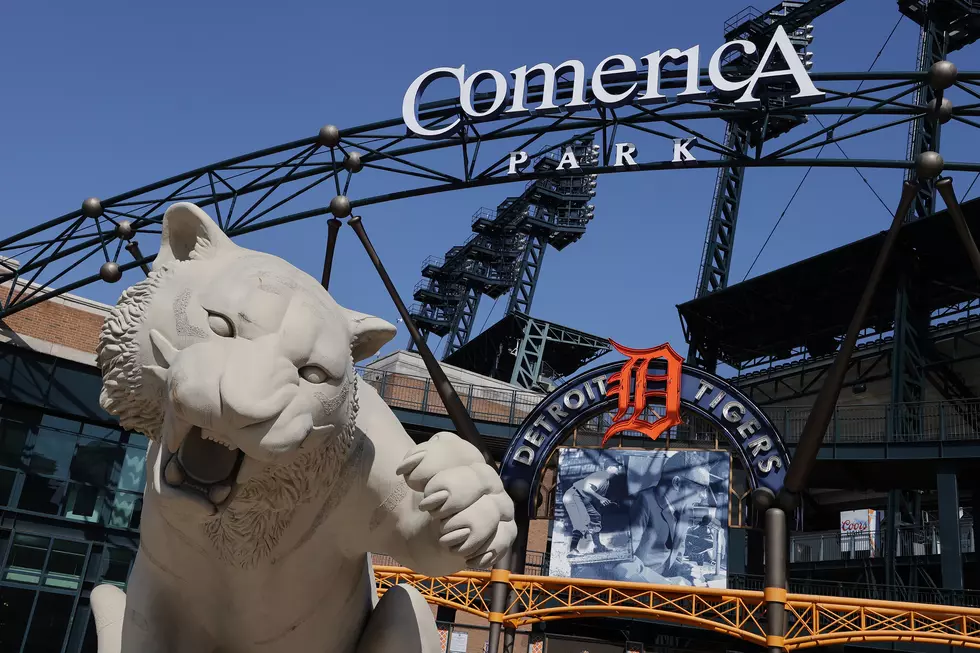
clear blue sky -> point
(101, 97)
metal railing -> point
(484, 403)
(912, 541)
(933, 595)
(877, 423)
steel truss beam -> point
(871, 362)
(523, 293)
(810, 620)
(459, 334)
(908, 374)
(256, 191)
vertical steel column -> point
(518, 555)
(775, 590)
(911, 324)
(716, 257)
(459, 332)
(892, 516)
(527, 279)
(949, 530)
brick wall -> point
(58, 322)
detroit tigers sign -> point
(627, 388)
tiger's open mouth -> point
(205, 467)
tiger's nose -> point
(256, 391)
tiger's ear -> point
(189, 233)
(368, 334)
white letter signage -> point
(615, 81)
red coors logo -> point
(848, 525)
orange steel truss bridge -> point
(810, 620)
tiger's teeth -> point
(174, 475)
(218, 494)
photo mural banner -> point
(642, 516)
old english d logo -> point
(634, 375)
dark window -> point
(53, 451)
(29, 381)
(26, 561)
(65, 564)
(43, 495)
(7, 478)
(50, 623)
(13, 438)
(118, 564)
(106, 433)
(96, 462)
(15, 611)
(76, 391)
(79, 640)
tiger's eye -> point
(221, 325)
(313, 374)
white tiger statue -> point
(273, 468)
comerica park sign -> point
(609, 87)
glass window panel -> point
(139, 440)
(96, 462)
(56, 423)
(79, 640)
(106, 433)
(83, 503)
(15, 611)
(13, 438)
(21, 413)
(50, 623)
(43, 495)
(125, 508)
(65, 565)
(119, 563)
(29, 381)
(52, 453)
(7, 479)
(133, 475)
(26, 561)
(75, 390)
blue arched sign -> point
(753, 437)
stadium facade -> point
(71, 481)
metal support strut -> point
(500, 576)
(333, 227)
(811, 438)
(775, 590)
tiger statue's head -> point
(239, 367)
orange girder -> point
(811, 620)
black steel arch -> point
(249, 192)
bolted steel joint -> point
(125, 230)
(340, 206)
(787, 501)
(353, 162)
(110, 272)
(329, 136)
(92, 207)
(763, 497)
(928, 165)
(942, 75)
(942, 113)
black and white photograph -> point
(642, 516)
